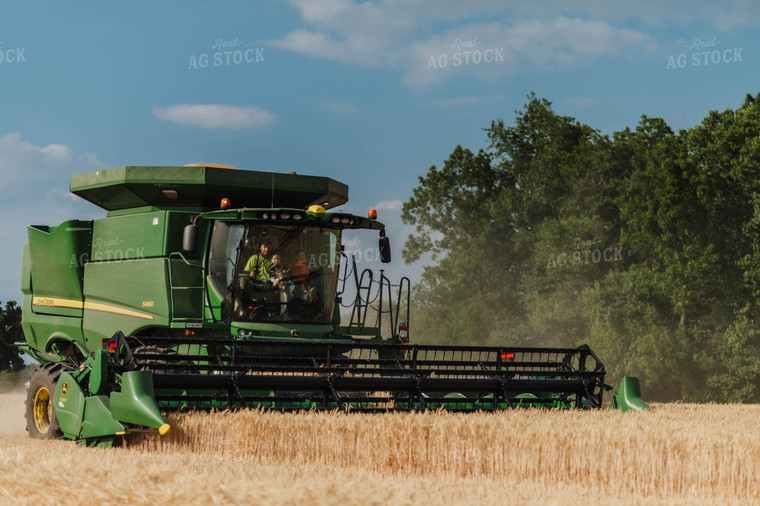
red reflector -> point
(507, 356)
(403, 335)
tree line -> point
(644, 244)
(10, 332)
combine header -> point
(178, 300)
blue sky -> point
(370, 93)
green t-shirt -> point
(262, 263)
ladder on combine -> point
(186, 288)
(380, 293)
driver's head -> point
(266, 247)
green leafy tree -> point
(676, 300)
(689, 226)
(496, 221)
(10, 332)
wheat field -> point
(675, 454)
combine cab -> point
(178, 300)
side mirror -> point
(385, 249)
(190, 238)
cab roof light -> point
(372, 214)
(225, 204)
(315, 210)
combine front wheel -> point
(41, 422)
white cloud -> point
(341, 107)
(57, 152)
(538, 43)
(319, 45)
(22, 162)
(319, 11)
(15, 150)
(216, 116)
(387, 33)
(389, 205)
(649, 11)
(368, 34)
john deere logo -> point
(64, 388)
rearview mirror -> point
(190, 238)
(385, 249)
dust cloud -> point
(12, 421)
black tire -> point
(41, 422)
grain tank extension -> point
(208, 287)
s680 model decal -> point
(92, 306)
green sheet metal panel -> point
(97, 420)
(126, 295)
(68, 403)
(204, 187)
(142, 235)
(129, 237)
(136, 403)
(56, 259)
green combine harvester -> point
(208, 287)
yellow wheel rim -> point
(43, 410)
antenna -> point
(272, 206)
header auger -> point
(208, 287)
